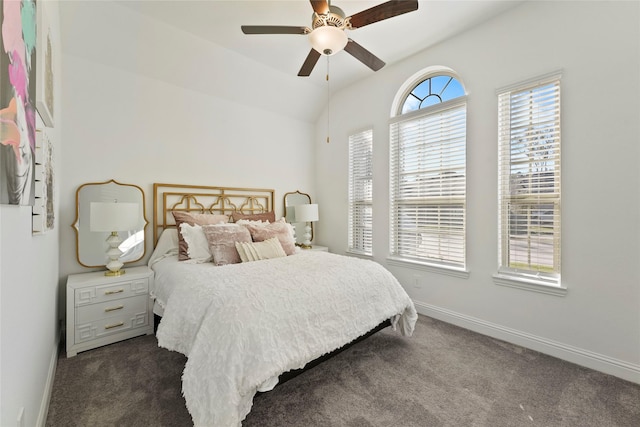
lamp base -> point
(114, 273)
(114, 266)
(306, 243)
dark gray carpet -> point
(442, 376)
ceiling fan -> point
(327, 33)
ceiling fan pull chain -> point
(328, 100)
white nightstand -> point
(102, 310)
(319, 248)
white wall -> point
(29, 291)
(29, 315)
(140, 131)
(139, 123)
(133, 113)
(597, 46)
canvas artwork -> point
(17, 101)
(43, 212)
(44, 87)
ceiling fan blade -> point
(320, 6)
(273, 29)
(383, 11)
(364, 56)
(309, 63)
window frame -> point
(356, 206)
(510, 274)
(460, 102)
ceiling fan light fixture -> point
(328, 40)
(327, 34)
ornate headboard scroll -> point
(204, 199)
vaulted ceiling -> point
(281, 56)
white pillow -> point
(198, 246)
(244, 256)
(255, 251)
(167, 245)
(168, 241)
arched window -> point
(428, 171)
(432, 91)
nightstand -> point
(102, 310)
(319, 248)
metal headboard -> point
(205, 199)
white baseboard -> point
(599, 362)
(48, 387)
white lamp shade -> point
(113, 216)
(328, 40)
(306, 213)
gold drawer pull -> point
(115, 325)
(108, 309)
(114, 292)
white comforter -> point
(241, 325)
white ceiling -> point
(391, 40)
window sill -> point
(432, 268)
(359, 254)
(528, 285)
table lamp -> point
(113, 217)
(307, 213)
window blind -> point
(361, 193)
(428, 186)
(529, 180)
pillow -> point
(167, 245)
(249, 221)
(198, 246)
(222, 240)
(168, 241)
(254, 251)
(265, 216)
(280, 229)
(191, 219)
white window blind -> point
(428, 185)
(361, 193)
(529, 180)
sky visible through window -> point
(432, 91)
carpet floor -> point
(442, 376)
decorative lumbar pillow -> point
(193, 219)
(265, 216)
(242, 252)
(222, 240)
(280, 229)
(198, 246)
(255, 251)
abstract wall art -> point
(45, 52)
(17, 101)
(43, 209)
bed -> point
(243, 325)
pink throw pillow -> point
(222, 240)
(281, 230)
(193, 219)
(265, 216)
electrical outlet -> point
(20, 419)
(416, 281)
